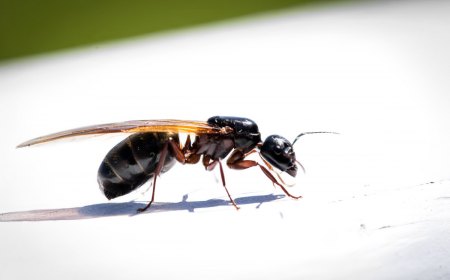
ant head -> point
(278, 151)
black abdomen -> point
(132, 162)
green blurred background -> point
(30, 27)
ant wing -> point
(135, 126)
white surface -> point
(377, 73)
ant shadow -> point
(103, 210)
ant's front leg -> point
(237, 161)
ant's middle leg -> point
(210, 165)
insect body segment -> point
(279, 152)
(133, 162)
(245, 134)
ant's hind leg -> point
(185, 154)
(157, 172)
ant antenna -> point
(301, 165)
(304, 133)
(314, 132)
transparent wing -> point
(129, 127)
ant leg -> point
(206, 161)
(187, 145)
(177, 151)
(274, 181)
(157, 172)
(237, 161)
(210, 167)
(193, 158)
(188, 151)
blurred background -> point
(30, 27)
(375, 196)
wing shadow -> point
(103, 210)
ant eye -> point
(277, 150)
(288, 150)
